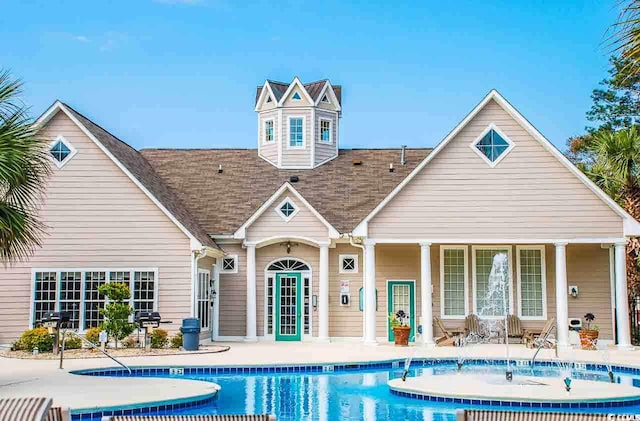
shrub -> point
(130, 342)
(35, 338)
(176, 341)
(72, 342)
(93, 335)
(159, 338)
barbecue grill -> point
(144, 319)
(56, 319)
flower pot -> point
(401, 335)
(588, 338)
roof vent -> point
(357, 162)
(391, 169)
(220, 169)
(294, 179)
(403, 154)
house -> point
(301, 240)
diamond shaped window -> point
(61, 151)
(492, 146)
(287, 209)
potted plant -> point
(400, 325)
(589, 336)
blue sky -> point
(182, 73)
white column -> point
(562, 294)
(622, 300)
(369, 292)
(251, 293)
(323, 302)
(426, 304)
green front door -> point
(288, 306)
(401, 296)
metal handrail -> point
(92, 346)
(541, 344)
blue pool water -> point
(359, 394)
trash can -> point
(190, 334)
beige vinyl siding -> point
(266, 255)
(325, 150)
(98, 218)
(344, 321)
(296, 157)
(268, 150)
(529, 194)
(232, 308)
(326, 106)
(303, 224)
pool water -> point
(358, 395)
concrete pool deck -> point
(42, 377)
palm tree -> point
(24, 168)
(616, 169)
(624, 35)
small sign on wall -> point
(345, 298)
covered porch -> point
(560, 279)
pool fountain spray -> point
(566, 370)
(497, 303)
(407, 362)
(461, 351)
(603, 348)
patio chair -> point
(488, 415)
(448, 338)
(263, 417)
(540, 338)
(24, 409)
(514, 328)
(57, 413)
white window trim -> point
(81, 319)
(506, 248)
(69, 157)
(330, 141)
(285, 218)
(543, 272)
(328, 101)
(466, 281)
(235, 264)
(348, 256)
(495, 128)
(264, 131)
(304, 128)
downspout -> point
(197, 255)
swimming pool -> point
(350, 392)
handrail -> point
(541, 344)
(92, 346)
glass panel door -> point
(288, 306)
(204, 288)
(401, 296)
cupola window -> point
(296, 96)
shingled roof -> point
(313, 89)
(139, 167)
(342, 192)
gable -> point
(91, 201)
(529, 194)
(302, 223)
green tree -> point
(616, 169)
(116, 313)
(625, 35)
(24, 168)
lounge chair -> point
(514, 328)
(540, 338)
(24, 409)
(473, 330)
(448, 338)
(190, 418)
(57, 413)
(488, 415)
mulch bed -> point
(120, 352)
